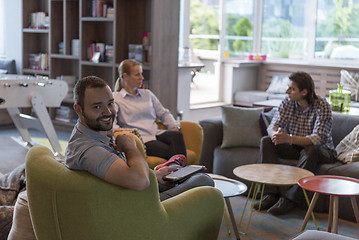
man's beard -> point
(96, 124)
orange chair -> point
(193, 138)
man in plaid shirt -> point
(301, 129)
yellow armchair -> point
(67, 204)
(193, 138)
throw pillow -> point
(348, 148)
(279, 84)
(265, 119)
(241, 127)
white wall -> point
(2, 30)
(13, 29)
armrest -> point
(193, 138)
(184, 209)
(212, 137)
(139, 142)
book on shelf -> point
(75, 47)
(99, 8)
(66, 114)
(38, 61)
(145, 84)
(110, 12)
(100, 52)
(39, 20)
(109, 53)
(135, 52)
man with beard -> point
(93, 148)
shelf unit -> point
(35, 40)
(71, 19)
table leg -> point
(230, 211)
(254, 197)
(260, 199)
(226, 221)
(355, 208)
(308, 203)
(335, 214)
(310, 210)
(330, 215)
(245, 205)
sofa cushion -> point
(241, 127)
(264, 120)
(9, 65)
(279, 84)
(343, 124)
(348, 148)
(247, 98)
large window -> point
(284, 29)
(337, 31)
(306, 30)
(204, 24)
(204, 40)
(239, 16)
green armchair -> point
(68, 204)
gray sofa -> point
(223, 160)
(8, 65)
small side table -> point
(334, 186)
(229, 188)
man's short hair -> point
(83, 84)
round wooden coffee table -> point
(262, 174)
(334, 186)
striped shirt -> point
(315, 122)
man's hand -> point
(124, 142)
(280, 137)
(163, 172)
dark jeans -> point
(168, 143)
(308, 158)
(197, 180)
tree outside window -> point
(337, 35)
(204, 27)
(239, 27)
(284, 29)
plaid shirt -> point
(315, 122)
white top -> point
(141, 111)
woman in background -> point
(139, 108)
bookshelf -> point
(73, 23)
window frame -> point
(257, 35)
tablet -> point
(183, 173)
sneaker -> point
(267, 201)
(283, 206)
(178, 160)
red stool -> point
(334, 186)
